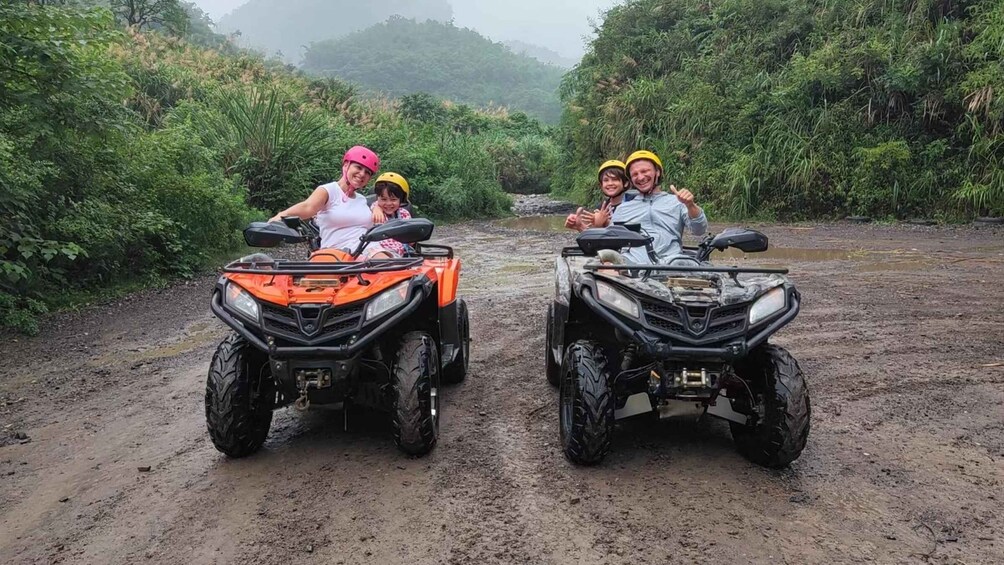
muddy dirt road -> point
(104, 456)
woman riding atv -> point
(614, 185)
(661, 215)
(341, 214)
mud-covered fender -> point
(562, 299)
(562, 281)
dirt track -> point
(905, 461)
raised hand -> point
(378, 216)
(684, 196)
(573, 222)
(601, 217)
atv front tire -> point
(777, 381)
(551, 369)
(456, 372)
(416, 394)
(586, 417)
(240, 396)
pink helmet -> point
(362, 156)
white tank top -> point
(343, 220)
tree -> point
(167, 14)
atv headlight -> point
(616, 299)
(240, 300)
(387, 301)
(768, 305)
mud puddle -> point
(536, 223)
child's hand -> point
(572, 221)
(378, 216)
(601, 217)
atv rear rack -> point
(304, 268)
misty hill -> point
(288, 26)
(403, 56)
(541, 53)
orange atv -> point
(381, 333)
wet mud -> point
(104, 456)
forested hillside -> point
(289, 26)
(129, 157)
(402, 56)
(801, 108)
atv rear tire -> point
(777, 380)
(551, 369)
(238, 419)
(586, 413)
(415, 383)
(456, 372)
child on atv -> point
(392, 192)
(614, 185)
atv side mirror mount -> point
(410, 231)
(616, 237)
(264, 234)
(744, 239)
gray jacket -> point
(663, 217)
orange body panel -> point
(281, 290)
(449, 278)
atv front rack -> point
(304, 268)
(683, 269)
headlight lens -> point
(387, 301)
(239, 299)
(616, 299)
(767, 305)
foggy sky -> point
(558, 25)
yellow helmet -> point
(398, 180)
(612, 164)
(643, 155)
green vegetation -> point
(286, 27)
(131, 156)
(400, 56)
(800, 108)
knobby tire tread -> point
(784, 432)
(235, 427)
(415, 429)
(592, 426)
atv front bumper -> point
(343, 351)
(659, 347)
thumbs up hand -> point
(685, 196)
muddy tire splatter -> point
(238, 420)
(416, 394)
(456, 372)
(780, 436)
(551, 369)
(586, 417)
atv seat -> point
(257, 258)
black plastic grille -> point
(280, 319)
(334, 322)
(342, 320)
(696, 322)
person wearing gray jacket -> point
(662, 215)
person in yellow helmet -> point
(663, 215)
(614, 184)
(392, 191)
